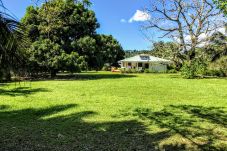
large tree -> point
(217, 46)
(52, 28)
(186, 21)
(72, 26)
(99, 50)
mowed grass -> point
(106, 111)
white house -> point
(145, 61)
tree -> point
(99, 50)
(11, 44)
(49, 56)
(72, 26)
(111, 49)
(186, 21)
(217, 46)
(167, 50)
(222, 4)
(59, 23)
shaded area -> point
(28, 129)
(83, 76)
(202, 128)
(23, 130)
(212, 114)
(3, 84)
(21, 91)
(4, 107)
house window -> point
(140, 65)
(129, 64)
(145, 57)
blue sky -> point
(113, 16)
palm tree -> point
(11, 36)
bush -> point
(105, 68)
(172, 71)
(134, 71)
(188, 71)
(128, 71)
(146, 71)
(193, 69)
(219, 67)
(122, 70)
(218, 73)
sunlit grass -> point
(105, 111)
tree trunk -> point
(7, 75)
(53, 73)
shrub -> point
(122, 70)
(105, 68)
(134, 71)
(193, 69)
(188, 71)
(141, 71)
(128, 70)
(219, 66)
(172, 71)
(218, 73)
(200, 67)
(146, 71)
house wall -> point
(156, 67)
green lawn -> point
(105, 111)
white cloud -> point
(140, 16)
(123, 21)
(203, 38)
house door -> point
(146, 65)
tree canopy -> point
(222, 4)
(69, 28)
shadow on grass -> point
(28, 129)
(200, 127)
(21, 91)
(4, 107)
(85, 76)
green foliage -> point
(110, 48)
(49, 56)
(194, 69)
(215, 73)
(217, 47)
(168, 50)
(70, 26)
(106, 68)
(12, 43)
(220, 65)
(146, 71)
(188, 71)
(172, 71)
(222, 4)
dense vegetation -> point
(63, 36)
(60, 36)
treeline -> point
(60, 35)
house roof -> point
(144, 58)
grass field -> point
(105, 111)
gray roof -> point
(144, 58)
